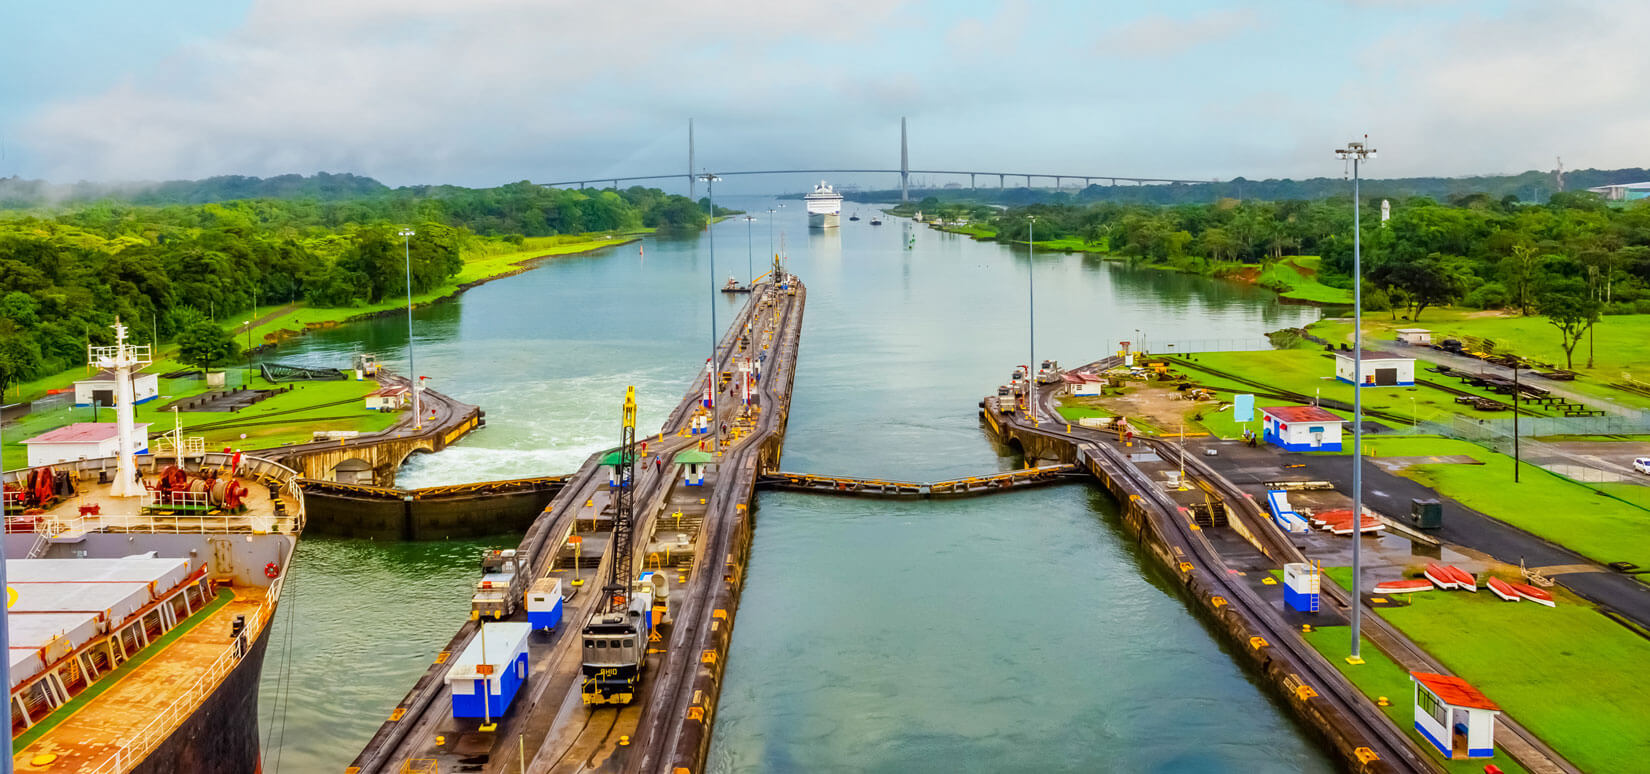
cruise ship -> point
(824, 206)
(140, 591)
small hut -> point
(694, 462)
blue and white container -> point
(544, 604)
(1300, 586)
(484, 682)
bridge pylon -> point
(904, 165)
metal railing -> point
(134, 749)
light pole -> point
(750, 251)
(710, 378)
(406, 235)
(1357, 152)
(248, 325)
(771, 211)
(1031, 315)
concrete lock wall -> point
(404, 515)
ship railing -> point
(198, 524)
(134, 749)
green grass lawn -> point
(286, 418)
(1296, 277)
(978, 232)
(1575, 678)
(1621, 346)
(1074, 409)
(1311, 372)
(1381, 676)
(1605, 529)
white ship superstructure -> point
(824, 206)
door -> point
(1317, 438)
(103, 397)
(1386, 377)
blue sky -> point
(490, 91)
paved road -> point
(1391, 494)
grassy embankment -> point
(1296, 278)
(1621, 346)
(1569, 674)
(289, 417)
(490, 261)
(1310, 372)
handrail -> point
(136, 747)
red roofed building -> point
(83, 441)
(1454, 716)
(1301, 428)
(391, 398)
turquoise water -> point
(1009, 633)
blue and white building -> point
(486, 676)
(1454, 716)
(544, 603)
(1301, 428)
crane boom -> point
(624, 516)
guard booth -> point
(544, 604)
(1454, 716)
(485, 678)
(1300, 586)
(612, 462)
(699, 425)
(694, 462)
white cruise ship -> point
(824, 206)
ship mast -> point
(120, 359)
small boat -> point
(1463, 578)
(853, 217)
(1533, 594)
(876, 222)
(1503, 589)
(1440, 576)
(1403, 586)
(733, 286)
(1340, 522)
(1323, 519)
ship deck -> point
(125, 514)
(84, 732)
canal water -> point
(1008, 633)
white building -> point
(83, 440)
(145, 387)
(1454, 716)
(1623, 192)
(1380, 369)
(391, 398)
(1415, 336)
(1301, 428)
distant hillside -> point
(1532, 186)
(17, 193)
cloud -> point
(1509, 91)
(1161, 35)
(436, 90)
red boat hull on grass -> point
(1463, 579)
(1440, 577)
(1403, 586)
(1503, 590)
(1533, 594)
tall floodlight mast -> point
(1357, 153)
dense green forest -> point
(1570, 259)
(66, 274)
(1531, 186)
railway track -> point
(417, 717)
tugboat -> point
(733, 286)
(854, 216)
(875, 221)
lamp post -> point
(750, 250)
(771, 211)
(710, 378)
(1031, 316)
(406, 235)
(248, 325)
(1357, 152)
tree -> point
(1519, 269)
(1429, 281)
(205, 344)
(1572, 310)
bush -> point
(1490, 295)
(1376, 300)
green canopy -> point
(695, 457)
(612, 458)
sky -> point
(483, 92)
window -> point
(629, 643)
(1432, 706)
(1317, 429)
(601, 643)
